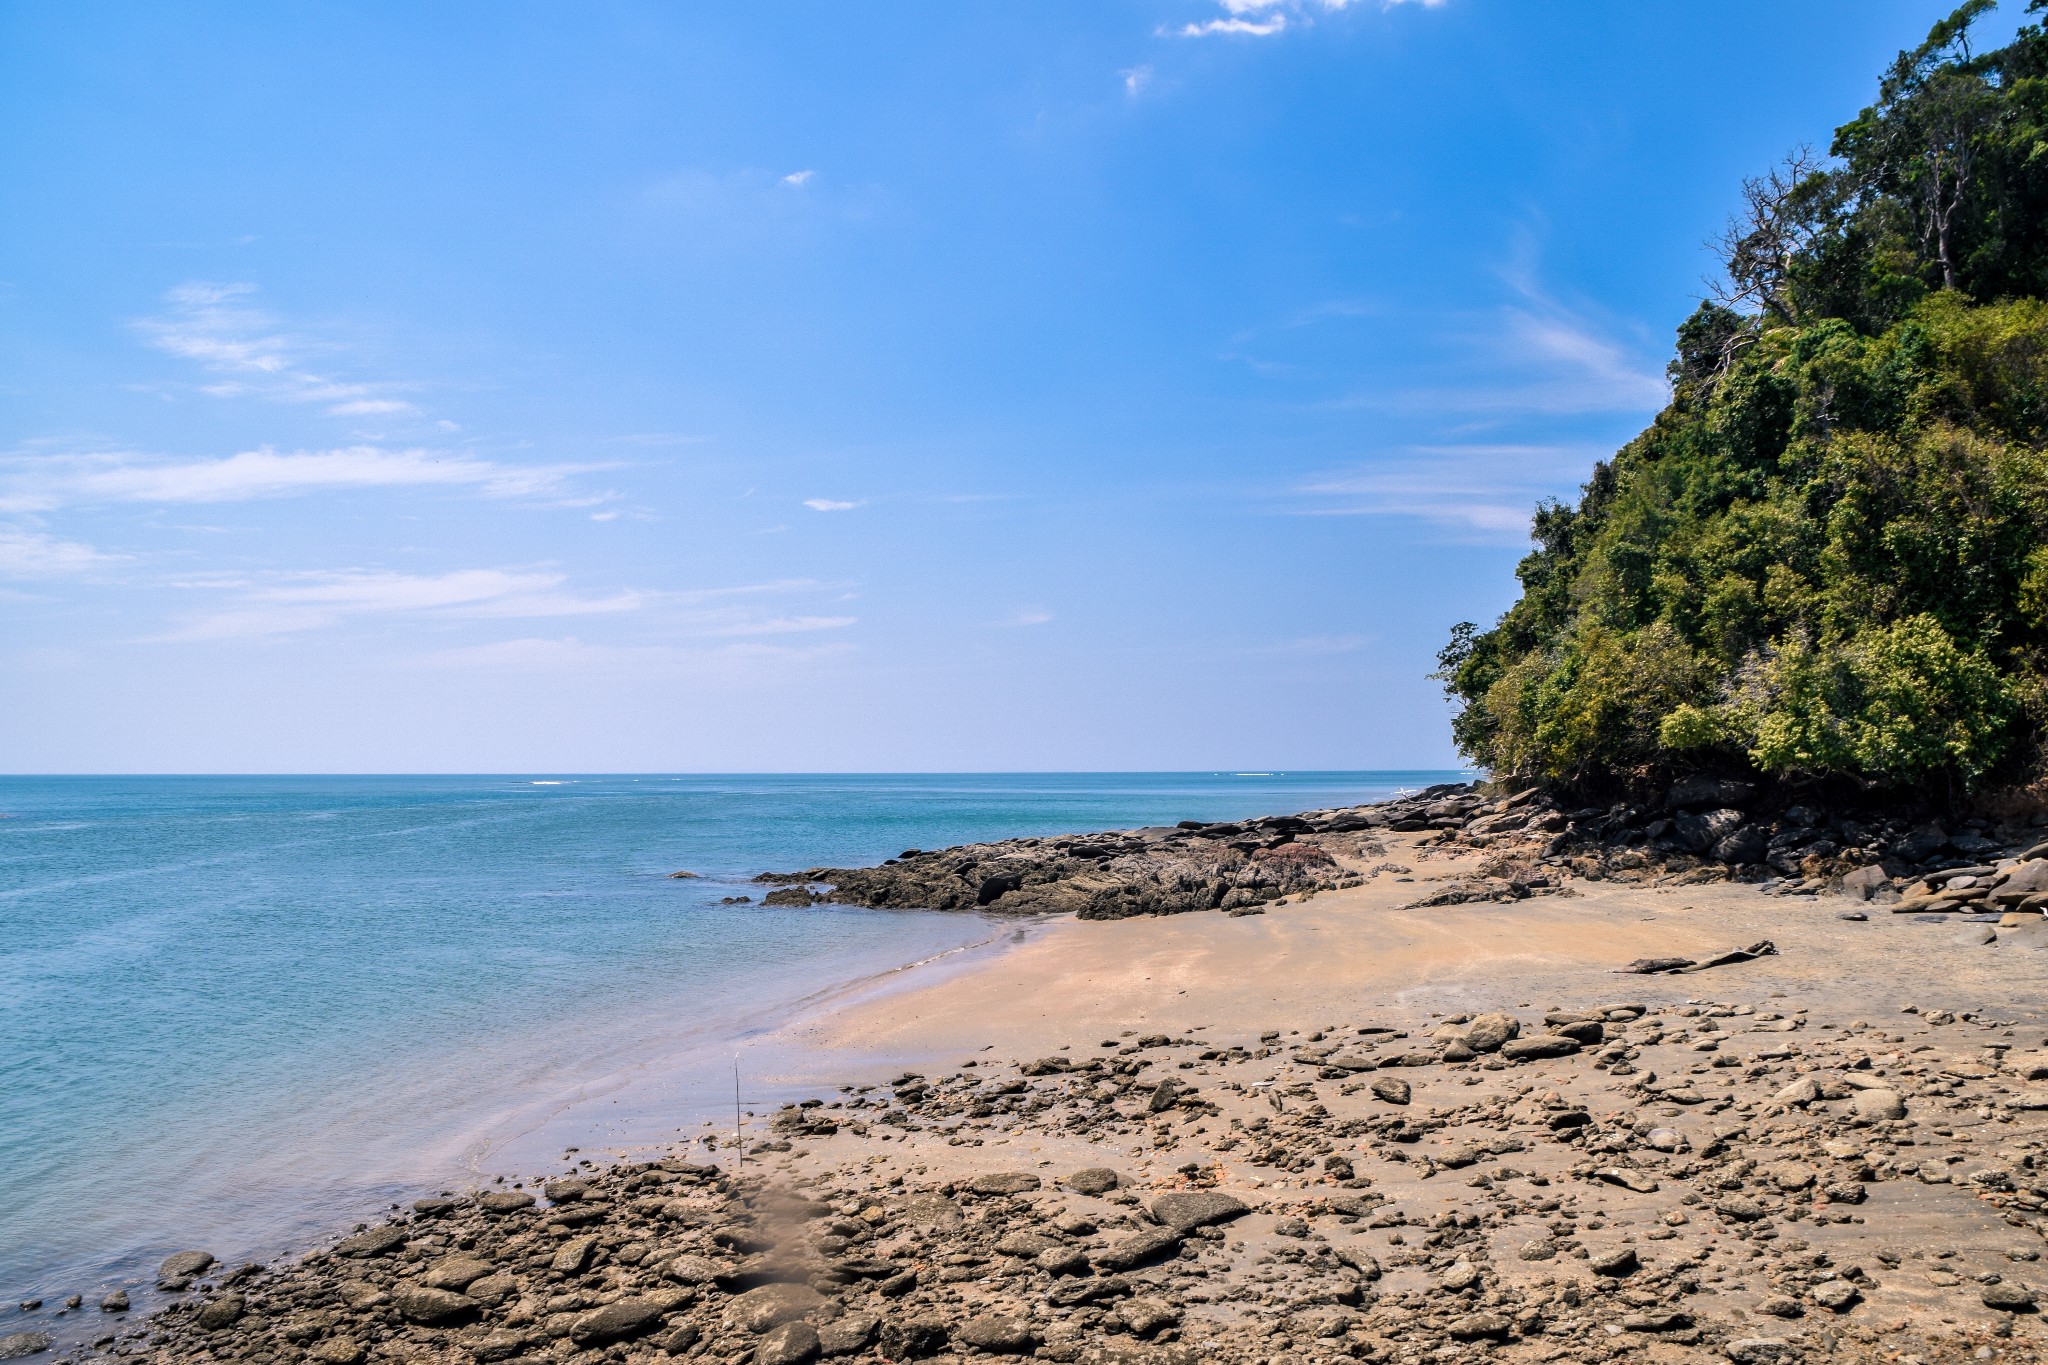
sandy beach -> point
(1337, 1129)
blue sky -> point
(1132, 384)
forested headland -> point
(1825, 562)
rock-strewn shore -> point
(1606, 1180)
(1701, 830)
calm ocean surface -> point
(238, 1011)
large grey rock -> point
(1539, 1047)
(1094, 1180)
(418, 1303)
(183, 1265)
(1005, 1182)
(771, 1305)
(2028, 879)
(1865, 883)
(1879, 1106)
(793, 1343)
(999, 1333)
(457, 1272)
(913, 1338)
(846, 1335)
(1392, 1089)
(1487, 1032)
(1140, 1248)
(504, 1201)
(1186, 1210)
(2008, 1298)
(1745, 845)
(17, 1344)
(615, 1322)
(371, 1242)
(1701, 832)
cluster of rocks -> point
(1724, 1178)
(1113, 875)
(1702, 829)
(1707, 829)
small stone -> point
(116, 1302)
(1539, 1048)
(418, 1303)
(183, 1265)
(999, 1333)
(1096, 1180)
(792, 1343)
(571, 1258)
(504, 1201)
(1184, 1211)
(1392, 1089)
(371, 1242)
(341, 1351)
(912, 1338)
(1837, 1296)
(1621, 1261)
(615, 1322)
(1005, 1182)
(1879, 1106)
(1480, 1327)
(1461, 1276)
(2008, 1298)
(224, 1311)
(1667, 1321)
(843, 1336)
(1139, 1249)
(457, 1272)
(771, 1305)
(1146, 1316)
(1781, 1306)
(1803, 1091)
(1489, 1032)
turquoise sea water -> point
(239, 1011)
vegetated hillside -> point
(1827, 559)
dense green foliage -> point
(1828, 557)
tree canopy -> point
(1828, 556)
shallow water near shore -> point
(244, 1011)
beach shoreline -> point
(1365, 962)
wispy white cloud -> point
(31, 554)
(214, 326)
(1264, 18)
(1482, 492)
(294, 603)
(1136, 78)
(570, 655)
(1246, 28)
(1027, 616)
(798, 179)
(286, 604)
(787, 625)
(831, 505)
(46, 482)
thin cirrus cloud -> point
(32, 554)
(747, 660)
(1475, 492)
(831, 505)
(45, 483)
(252, 355)
(296, 603)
